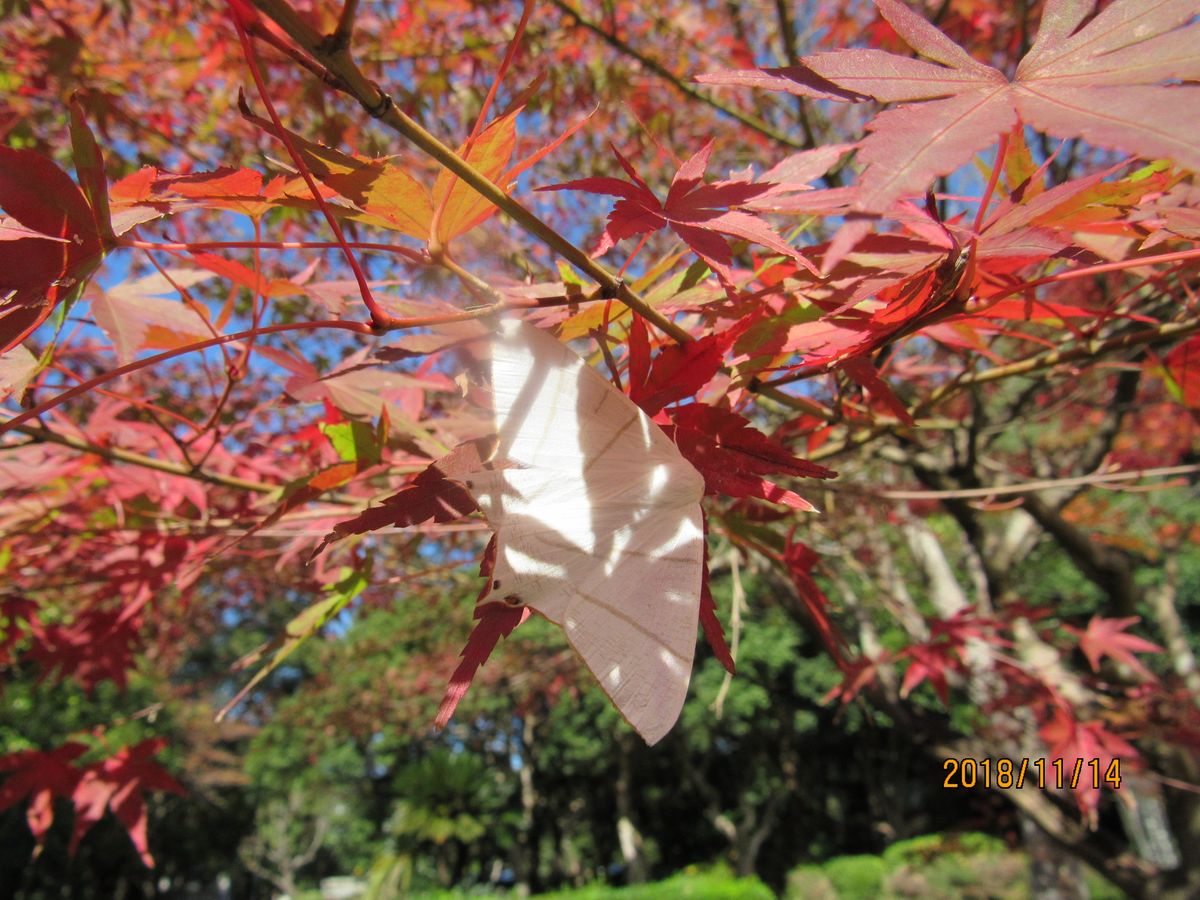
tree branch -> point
(116, 454)
(683, 87)
(378, 103)
(1089, 350)
(1108, 568)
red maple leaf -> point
(496, 620)
(40, 776)
(1077, 744)
(714, 634)
(118, 783)
(1107, 637)
(800, 560)
(58, 246)
(864, 373)
(915, 302)
(1183, 363)
(856, 675)
(698, 212)
(95, 646)
(944, 652)
(679, 370)
(1101, 82)
(931, 661)
(429, 497)
(965, 625)
(732, 455)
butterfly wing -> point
(598, 524)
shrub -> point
(856, 877)
(717, 883)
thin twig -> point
(1090, 350)
(116, 454)
(340, 39)
(1027, 487)
(683, 87)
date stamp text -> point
(1014, 774)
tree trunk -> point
(750, 839)
(1162, 602)
(569, 861)
(628, 836)
(525, 863)
(1053, 875)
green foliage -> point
(356, 441)
(931, 846)
(441, 800)
(936, 866)
(1100, 888)
(37, 713)
(717, 883)
(856, 877)
(809, 882)
(948, 866)
(351, 583)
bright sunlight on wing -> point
(598, 524)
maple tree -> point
(964, 328)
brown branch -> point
(269, 37)
(1108, 568)
(379, 104)
(787, 36)
(1091, 349)
(116, 454)
(340, 39)
(652, 65)
(1026, 487)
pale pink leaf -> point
(890, 78)
(911, 144)
(17, 367)
(807, 165)
(925, 38)
(799, 80)
(1059, 19)
(1172, 55)
(135, 318)
(1125, 23)
(1100, 82)
(690, 174)
(753, 229)
(1140, 120)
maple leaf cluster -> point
(698, 212)
(1101, 82)
(116, 783)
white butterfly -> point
(598, 523)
